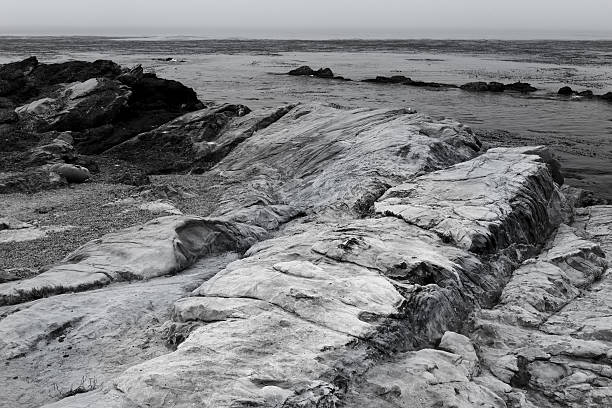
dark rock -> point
(18, 69)
(402, 80)
(324, 73)
(566, 91)
(31, 181)
(152, 93)
(131, 178)
(132, 76)
(607, 96)
(8, 116)
(496, 87)
(475, 87)
(586, 94)
(522, 87)
(56, 151)
(307, 71)
(302, 71)
(78, 106)
(425, 84)
(395, 79)
(74, 71)
(175, 146)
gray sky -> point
(308, 18)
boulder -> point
(566, 91)
(586, 94)
(607, 96)
(71, 172)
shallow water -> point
(246, 72)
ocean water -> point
(248, 72)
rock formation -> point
(320, 73)
(351, 257)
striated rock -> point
(160, 247)
(551, 329)
(197, 140)
(339, 297)
(478, 207)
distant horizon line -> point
(188, 37)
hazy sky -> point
(305, 18)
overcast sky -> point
(306, 18)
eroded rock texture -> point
(366, 238)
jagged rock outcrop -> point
(195, 141)
(101, 102)
(77, 107)
(355, 273)
(549, 337)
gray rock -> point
(71, 172)
(477, 206)
(330, 303)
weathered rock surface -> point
(101, 102)
(504, 197)
(356, 273)
(161, 247)
(549, 337)
(196, 141)
(79, 106)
